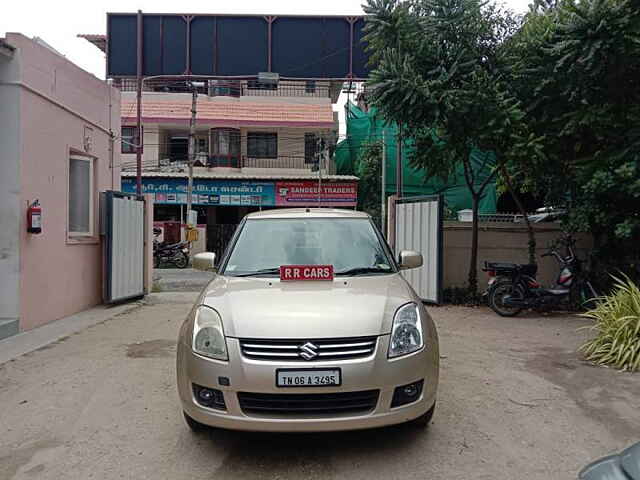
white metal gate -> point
(124, 246)
(419, 228)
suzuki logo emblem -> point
(308, 351)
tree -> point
(438, 73)
(575, 68)
(369, 169)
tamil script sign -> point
(205, 192)
(247, 193)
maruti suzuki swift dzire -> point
(307, 325)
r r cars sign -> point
(292, 273)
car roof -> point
(307, 213)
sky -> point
(58, 23)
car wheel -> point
(194, 425)
(423, 420)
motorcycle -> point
(176, 254)
(513, 287)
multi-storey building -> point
(258, 146)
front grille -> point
(308, 403)
(316, 350)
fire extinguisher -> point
(34, 218)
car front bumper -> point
(376, 372)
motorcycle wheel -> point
(181, 260)
(156, 261)
(588, 296)
(498, 291)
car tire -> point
(424, 420)
(194, 425)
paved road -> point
(515, 403)
(180, 280)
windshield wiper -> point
(362, 271)
(264, 271)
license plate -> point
(308, 378)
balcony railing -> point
(229, 161)
(298, 89)
(291, 162)
(229, 88)
(283, 162)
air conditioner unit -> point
(268, 78)
(223, 88)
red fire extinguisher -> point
(34, 218)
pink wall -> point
(60, 276)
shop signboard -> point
(206, 192)
(305, 193)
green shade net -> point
(365, 127)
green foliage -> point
(575, 67)
(617, 323)
(369, 170)
(438, 73)
(555, 95)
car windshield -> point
(351, 245)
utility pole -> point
(138, 136)
(383, 182)
(192, 148)
(399, 163)
(320, 155)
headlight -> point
(208, 334)
(406, 334)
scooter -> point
(514, 288)
(177, 253)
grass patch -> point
(617, 323)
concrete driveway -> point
(180, 279)
(515, 403)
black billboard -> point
(238, 45)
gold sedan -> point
(307, 325)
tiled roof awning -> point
(231, 114)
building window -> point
(310, 86)
(201, 145)
(81, 186)
(225, 147)
(179, 148)
(262, 145)
(129, 139)
(310, 148)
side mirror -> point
(205, 261)
(409, 259)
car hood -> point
(345, 307)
